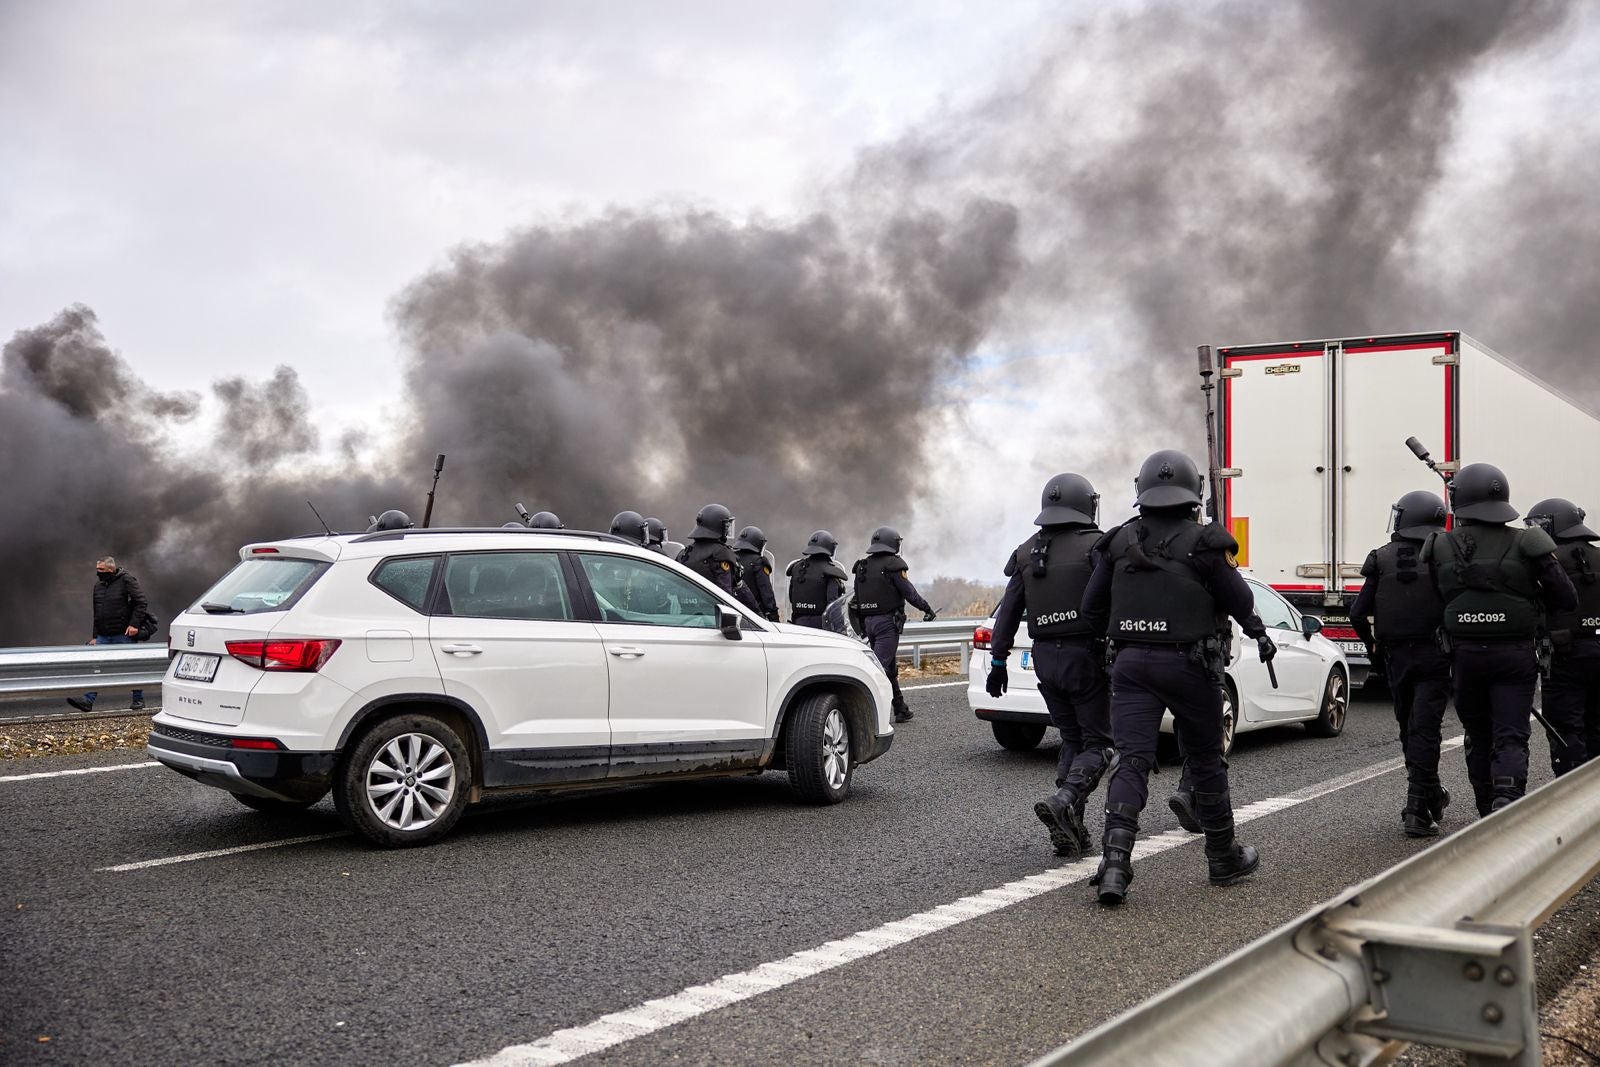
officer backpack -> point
(1486, 578)
(1157, 595)
(1581, 561)
(876, 591)
(1055, 564)
(812, 584)
(1409, 608)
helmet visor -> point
(1395, 514)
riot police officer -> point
(546, 520)
(815, 581)
(629, 524)
(393, 519)
(1572, 692)
(1494, 579)
(708, 553)
(1159, 585)
(1047, 576)
(755, 570)
(1397, 615)
(655, 536)
(882, 592)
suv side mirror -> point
(729, 621)
(1310, 624)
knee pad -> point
(1139, 763)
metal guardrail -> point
(952, 635)
(68, 668)
(1437, 951)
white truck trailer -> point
(1312, 441)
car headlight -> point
(872, 657)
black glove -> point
(1266, 647)
(998, 679)
(929, 615)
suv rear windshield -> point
(256, 585)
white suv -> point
(416, 671)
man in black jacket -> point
(120, 611)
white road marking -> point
(80, 770)
(214, 853)
(620, 1027)
(930, 685)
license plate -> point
(1027, 661)
(1353, 648)
(196, 666)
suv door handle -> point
(460, 650)
(626, 651)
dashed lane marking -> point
(620, 1027)
(80, 770)
(214, 853)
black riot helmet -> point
(546, 520)
(392, 519)
(1481, 491)
(885, 541)
(1417, 514)
(1168, 479)
(1068, 498)
(655, 532)
(822, 543)
(1561, 519)
(512, 526)
(629, 524)
(713, 523)
(750, 539)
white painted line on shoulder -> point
(618, 1028)
(930, 685)
(80, 770)
(214, 853)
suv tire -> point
(405, 782)
(817, 749)
(272, 805)
(1018, 736)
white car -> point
(1313, 681)
(413, 672)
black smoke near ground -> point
(1159, 178)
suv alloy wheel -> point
(817, 750)
(405, 782)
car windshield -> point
(257, 585)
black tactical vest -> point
(1487, 580)
(1157, 597)
(876, 591)
(813, 582)
(1581, 561)
(1408, 606)
(1055, 598)
(712, 559)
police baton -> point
(1551, 730)
(1272, 674)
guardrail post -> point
(964, 656)
(916, 657)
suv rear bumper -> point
(300, 777)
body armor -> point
(1486, 578)
(1157, 596)
(814, 582)
(1408, 606)
(1055, 565)
(1581, 561)
(712, 560)
(876, 590)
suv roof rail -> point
(400, 535)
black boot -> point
(1062, 815)
(1116, 866)
(1438, 800)
(1227, 860)
(1182, 804)
(1482, 796)
(1505, 790)
(1416, 817)
(901, 712)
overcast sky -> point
(236, 186)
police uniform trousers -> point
(1571, 701)
(1072, 680)
(1147, 680)
(1494, 697)
(1419, 681)
(816, 622)
(883, 634)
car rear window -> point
(257, 585)
(406, 579)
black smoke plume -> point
(1157, 178)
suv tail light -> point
(299, 654)
(981, 637)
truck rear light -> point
(298, 654)
(1340, 633)
(981, 637)
(255, 742)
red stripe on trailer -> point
(1442, 346)
(1296, 588)
(1308, 353)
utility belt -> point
(898, 616)
(1565, 641)
(1208, 653)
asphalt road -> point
(539, 915)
